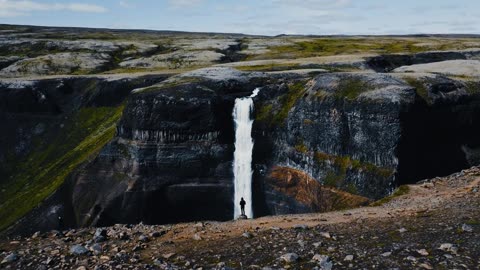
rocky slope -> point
(433, 225)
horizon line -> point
(240, 34)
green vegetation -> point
(168, 84)
(269, 67)
(36, 49)
(420, 88)
(333, 179)
(401, 190)
(308, 122)
(473, 88)
(41, 173)
(350, 88)
(276, 115)
(312, 47)
(264, 113)
(336, 177)
(346, 162)
(301, 147)
(473, 222)
(295, 91)
(277, 66)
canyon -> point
(120, 131)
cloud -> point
(184, 3)
(315, 4)
(232, 9)
(125, 4)
(10, 8)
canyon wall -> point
(329, 142)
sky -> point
(263, 17)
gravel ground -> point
(435, 226)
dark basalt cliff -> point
(49, 128)
(171, 159)
(365, 134)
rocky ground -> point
(29, 51)
(435, 225)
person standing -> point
(242, 206)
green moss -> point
(343, 163)
(308, 122)
(473, 222)
(350, 88)
(300, 48)
(336, 177)
(301, 147)
(351, 188)
(269, 67)
(287, 101)
(333, 179)
(338, 46)
(420, 88)
(171, 84)
(36, 49)
(321, 157)
(401, 190)
(275, 114)
(39, 175)
(472, 88)
(264, 113)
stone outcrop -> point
(60, 63)
(452, 67)
(387, 63)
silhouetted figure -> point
(242, 206)
(60, 223)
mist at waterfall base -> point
(242, 164)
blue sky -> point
(269, 17)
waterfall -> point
(242, 158)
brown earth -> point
(407, 232)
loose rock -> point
(10, 258)
(78, 250)
(289, 257)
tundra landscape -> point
(131, 149)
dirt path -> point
(421, 198)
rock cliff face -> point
(366, 133)
(343, 130)
(171, 158)
(49, 128)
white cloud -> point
(125, 4)
(315, 4)
(184, 3)
(10, 8)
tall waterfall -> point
(242, 166)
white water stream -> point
(242, 158)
